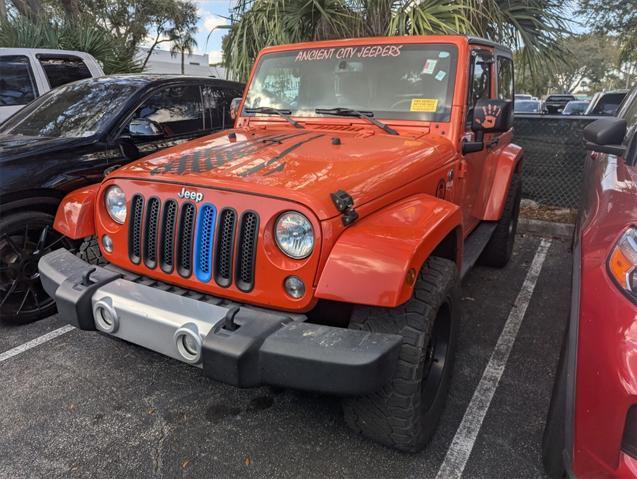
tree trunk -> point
(182, 61)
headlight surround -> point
(622, 263)
(294, 235)
(115, 202)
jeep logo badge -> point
(190, 195)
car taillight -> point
(629, 441)
(622, 263)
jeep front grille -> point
(202, 242)
(225, 247)
(246, 254)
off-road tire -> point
(405, 412)
(90, 252)
(499, 249)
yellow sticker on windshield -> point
(425, 105)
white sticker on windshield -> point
(430, 66)
(88, 133)
(440, 75)
(443, 55)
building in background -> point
(161, 61)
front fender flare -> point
(75, 217)
(371, 260)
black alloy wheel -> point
(24, 239)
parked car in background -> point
(606, 103)
(575, 108)
(591, 431)
(554, 104)
(522, 96)
(65, 140)
(28, 73)
(528, 106)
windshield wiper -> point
(365, 115)
(267, 110)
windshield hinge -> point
(345, 205)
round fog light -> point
(107, 242)
(295, 287)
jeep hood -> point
(298, 165)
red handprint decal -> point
(491, 114)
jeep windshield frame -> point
(411, 81)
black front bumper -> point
(240, 345)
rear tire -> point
(405, 412)
(499, 249)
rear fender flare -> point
(373, 262)
(75, 217)
(508, 162)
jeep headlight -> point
(294, 235)
(115, 201)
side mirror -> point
(606, 136)
(234, 108)
(492, 116)
(145, 128)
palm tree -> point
(183, 43)
(532, 26)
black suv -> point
(66, 139)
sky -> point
(209, 18)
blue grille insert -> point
(204, 240)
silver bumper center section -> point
(235, 344)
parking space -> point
(83, 404)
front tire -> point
(24, 238)
(405, 412)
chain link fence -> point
(554, 157)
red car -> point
(591, 430)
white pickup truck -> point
(27, 73)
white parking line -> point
(35, 342)
(465, 437)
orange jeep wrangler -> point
(320, 243)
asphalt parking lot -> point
(87, 405)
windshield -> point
(78, 109)
(411, 82)
(526, 106)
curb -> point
(546, 228)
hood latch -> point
(345, 204)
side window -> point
(60, 70)
(505, 79)
(479, 83)
(17, 84)
(173, 111)
(215, 109)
